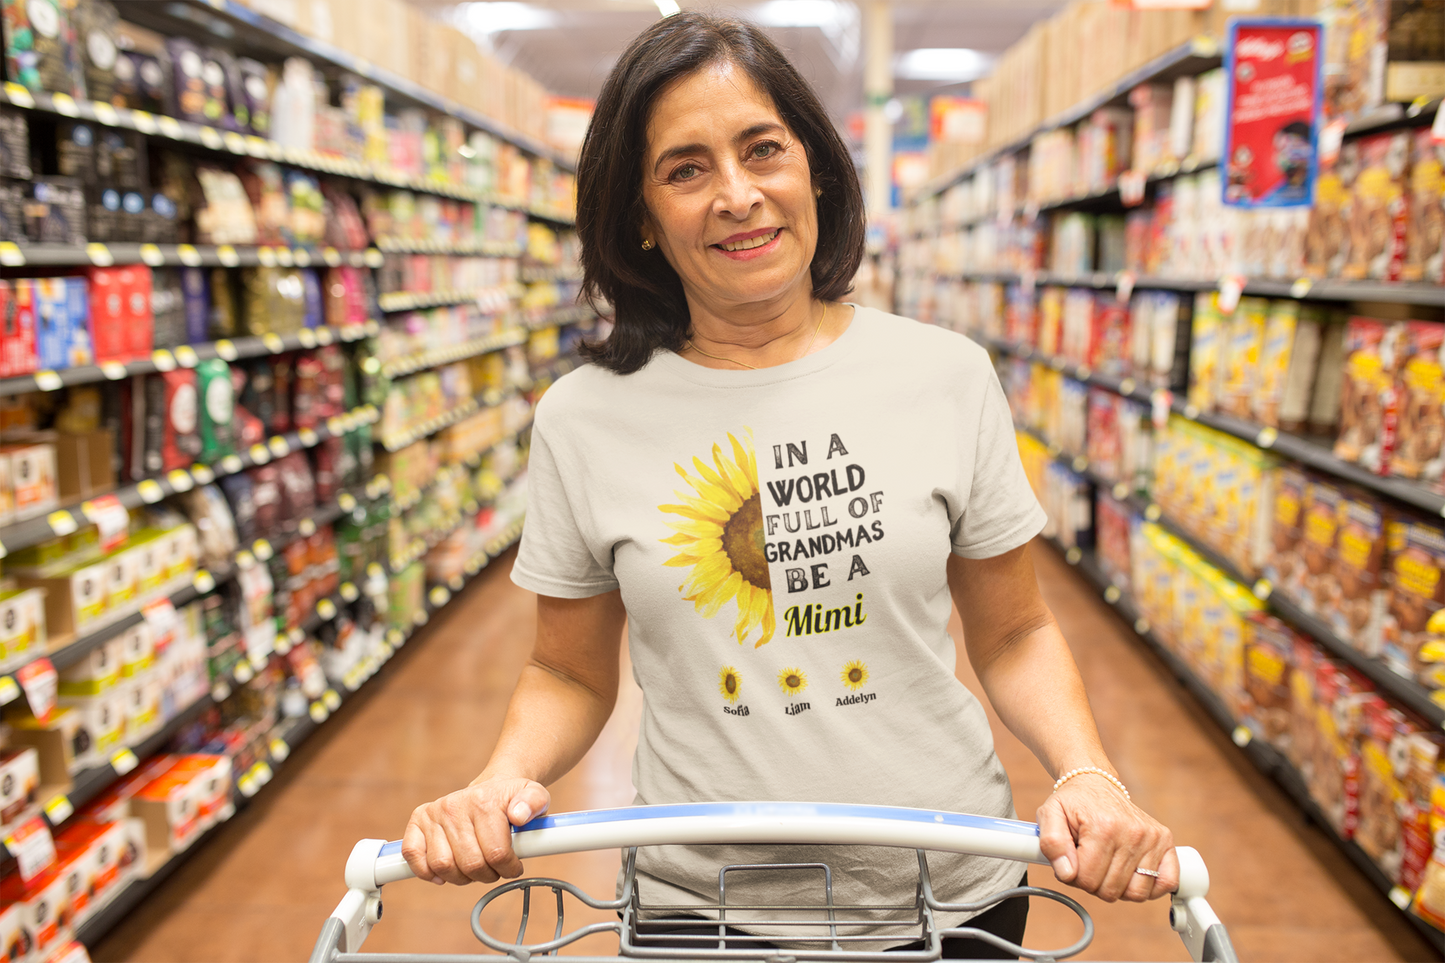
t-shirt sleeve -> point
(1001, 512)
(555, 558)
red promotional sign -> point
(1271, 146)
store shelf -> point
(561, 317)
(395, 301)
(13, 255)
(184, 356)
(407, 245)
(1403, 690)
(450, 353)
(485, 399)
(1320, 458)
(1394, 292)
(1195, 57)
(1294, 447)
(151, 490)
(1103, 199)
(90, 783)
(249, 31)
(287, 737)
(535, 275)
(1263, 756)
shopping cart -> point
(821, 930)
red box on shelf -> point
(17, 330)
(122, 327)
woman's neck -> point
(761, 337)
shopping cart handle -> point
(375, 862)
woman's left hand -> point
(1096, 839)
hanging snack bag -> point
(1421, 392)
(1368, 404)
(217, 409)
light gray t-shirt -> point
(780, 537)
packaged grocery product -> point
(22, 625)
(46, 910)
(1324, 418)
(1374, 351)
(1209, 332)
(1412, 632)
(54, 211)
(38, 47)
(32, 478)
(1242, 361)
(1285, 565)
(1357, 613)
(19, 780)
(226, 216)
(98, 671)
(62, 311)
(18, 353)
(1425, 232)
(1323, 509)
(1334, 769)
(1378, 208)
(217, 409)
(1327, 234)
(1420, 431)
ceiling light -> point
(802, 13)
(953, 64)
(494, 17)
(667, 7)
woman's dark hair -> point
(645, 292)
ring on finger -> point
(1148, 872)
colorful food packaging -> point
(1378, 208)
(217, 409)
(1368, 401)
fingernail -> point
(521, 813)
(1063, 868)
(438, 880)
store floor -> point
(262, 888)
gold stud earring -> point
(647, 244)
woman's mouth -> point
(749, 246)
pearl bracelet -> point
(1096, 771)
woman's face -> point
(728, 192)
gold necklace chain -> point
(753, 367)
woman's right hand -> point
(466, 836)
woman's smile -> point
(745, 247)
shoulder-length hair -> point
(645, 292)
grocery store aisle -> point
(261, 890)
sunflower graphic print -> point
(719, 537)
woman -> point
(780, 494)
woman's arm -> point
(563, 699)
(1094, 837)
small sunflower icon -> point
(729, 683)
(792, 681)
(855, 675)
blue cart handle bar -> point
(374, 862)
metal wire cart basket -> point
(817, 930)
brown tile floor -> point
(261, 889)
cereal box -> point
(1246, 337)
(1425, 233)
(1413, 632)
(1357, 612)
(1327, 235)
(1420, 432)
(1368, 405)
(1378, 208)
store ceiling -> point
(569, 45)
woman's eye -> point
(765, 150)
(685, 172)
